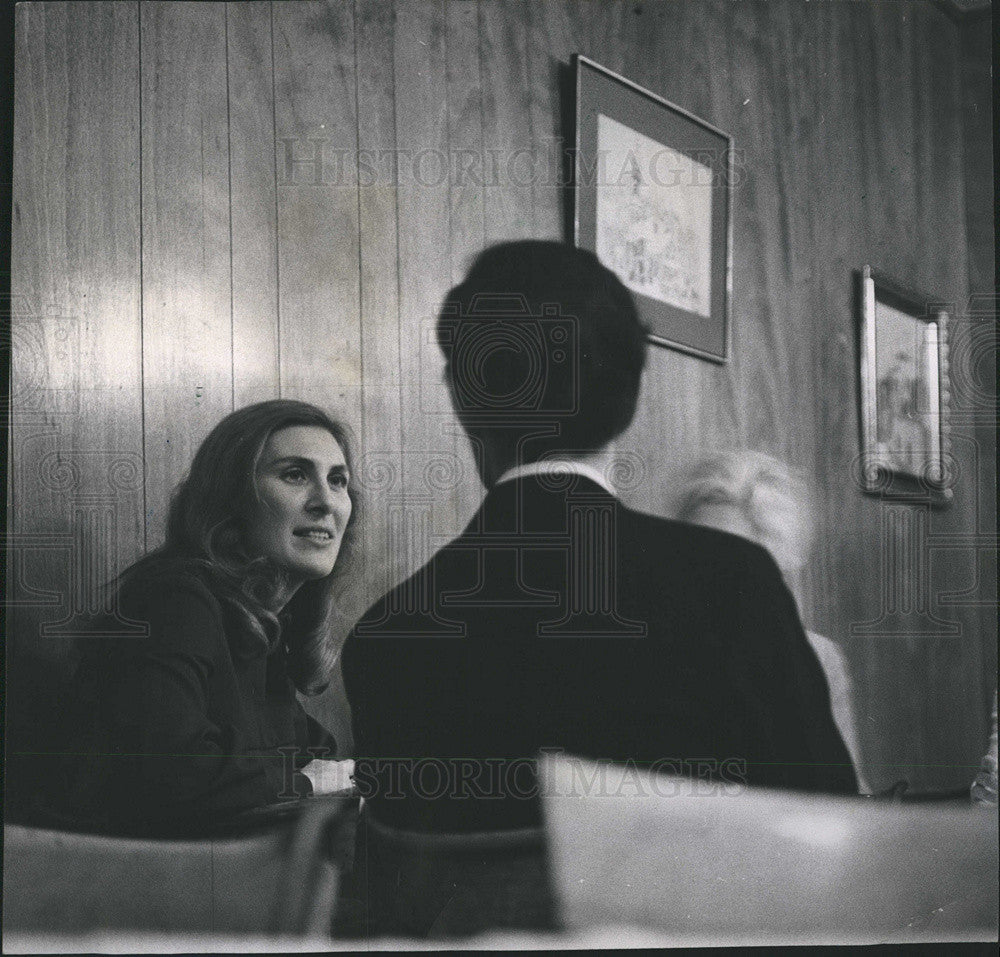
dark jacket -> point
(186, 729)
(560, 618)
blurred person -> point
(759, 498)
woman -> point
(757, 497)
(199, 721)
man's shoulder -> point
(688, 542)
(407, 608)
(644, 543)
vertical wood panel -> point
(812, 317)
(836, 194)
(419, 52)
(977, 135)
(773, 113)
(315, 102)
(381, 465)
(849, 139)
(940, 198)
(187, 309)
(545, 48)
(253, 210)
(762, 281)
(76, 406)
(507, 133)
(467, 225)
(975, 371)
(76, 403)
(465, 135)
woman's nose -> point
(321, 499)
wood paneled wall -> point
(221, 202)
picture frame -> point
(653, 200)
(905, 394)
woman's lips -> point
(318, 536)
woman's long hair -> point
(206, 537)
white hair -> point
(771, 496)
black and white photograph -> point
(653, 201)
(904, 357)
(499, 475)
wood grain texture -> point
(252, 209)
(76, 407)
(318, 253)
(274, 259)
(508, 140)
(76, 403)
(553, 37)
(974, 346)
(186, 302)
(977, 134)
(429, 435)
(467, 185)
(380, 467)
(464, 77)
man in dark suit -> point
(560, 618)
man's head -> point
(544, 350)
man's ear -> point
(449, 384)
(453, 398)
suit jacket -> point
(562, 619)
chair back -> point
(436, 885)
(280, 879)
(729, 864)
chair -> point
(729, 864)
(414, 884)
(278, 876)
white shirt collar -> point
(557, 466)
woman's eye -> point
(293, 475)
(339, 480)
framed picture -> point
(904, 391)
(653, 201)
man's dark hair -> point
(541, 333)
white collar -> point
(557, 466)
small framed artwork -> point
(653, 201)
(904, 391)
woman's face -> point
(302, 504)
